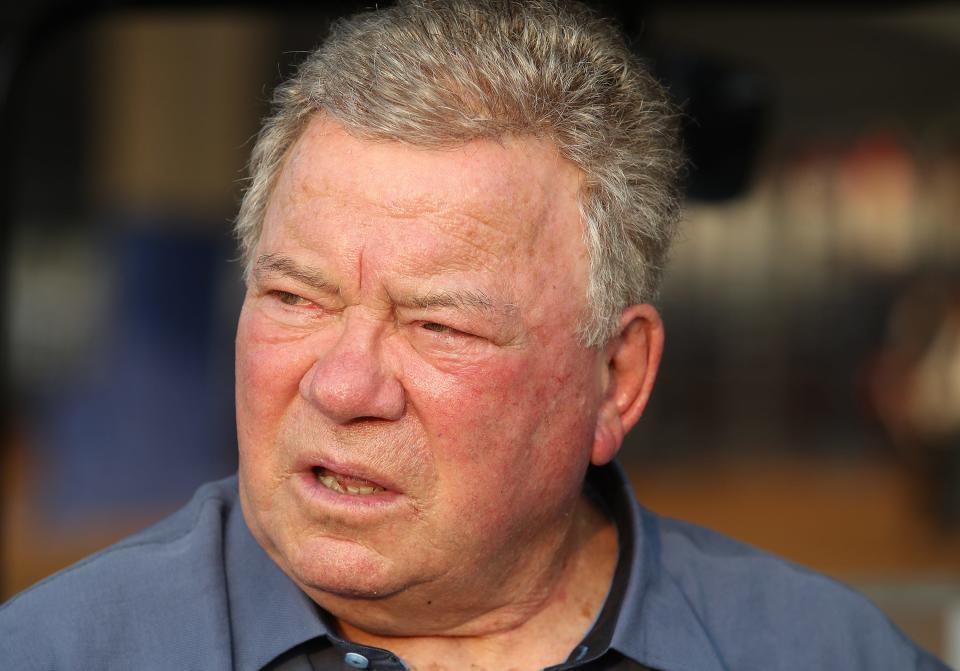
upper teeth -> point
(331, 482)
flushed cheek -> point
(461, 408)
(268, 370)
(265, 375)
(504, 427)
(267, 378)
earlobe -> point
(632, 358)
(608, 436)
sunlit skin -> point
(410, 321)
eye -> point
(438, 328)
(288, 298)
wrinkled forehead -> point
(519, 187)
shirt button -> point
(356, 660)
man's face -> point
(413, 407)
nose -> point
(350, 380)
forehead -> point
(491, 194)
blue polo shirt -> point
(196, 591)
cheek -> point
(498, 420)
(267, 377)
(469, 411)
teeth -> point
(331, 482)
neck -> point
(545, 617)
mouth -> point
(346, 484)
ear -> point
(632, 358)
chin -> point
(340, 568)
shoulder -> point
(129, 598)
(762, 611)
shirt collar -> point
(655, 623)
(269, 614)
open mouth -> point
(346, 484)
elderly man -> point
(455, 222)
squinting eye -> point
(437, 328)
(287, 298)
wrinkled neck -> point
(545, 616)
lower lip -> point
(316, 493)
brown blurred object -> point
(170, 112)
(849, 518)
(914, 386)
(31, 546)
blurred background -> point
(809, 401)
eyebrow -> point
(276, 264)
(463, 299)
(453, 299)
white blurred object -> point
(951, 635)
(59, 288)
(935, 403)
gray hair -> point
(439, 73)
